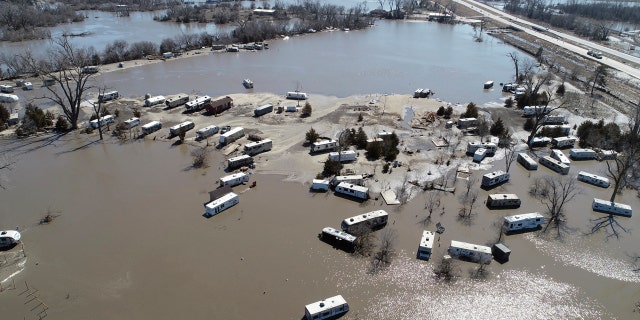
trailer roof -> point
(470, 246)
(523, 216)
(220, 200)
(427, 239)
(613, 204)
(365, 216)
(498, 196)
(326, 304)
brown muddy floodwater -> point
(131, 242)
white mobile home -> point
(257, 147)
(176, 101)
(593, 179)
(353, 190)
(617, 209)
(466, 123)
(206, 132)
(479, 154)
(182, 127)
(426, 245)
(338, 238)
(352, 179)
(474, 146)
(8, 98)
(152, 126)
(553, 119)
(132, 122)
(534, 110)
(328, 308)
(540, 141)
(108, 96)
(324, 145)
(471, 252)
(223, 203)
(503, 200)
(494, 178)
(365, 221)
(563, 142)
(320, 185)
(9, 238)
(554, 165)
(152, 101)
(197, 103)
(231, 135)
(526, 161)
(560, 156)
(233, 180)
(262, 110)
(5, 88)
(520, 222)
(582, 154)
(103, 121)
(239, 161)
(343, 156)
(606, 155)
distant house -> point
(220, 105)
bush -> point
(61, 124)
(508, 103)
(306, 110)
(497, 128)
(561, 89)
(440, 111)
(472, 111)
(136, 113)
(385, 168)
(448, 112)
(331, 168)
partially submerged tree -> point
(431, 203)
(510, 155)
(64, 66)
(200, 157)
(554, 193)
(386, 251)
(447, 269)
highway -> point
(567, 41)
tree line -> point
(20, 20)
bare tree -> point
(200, 157)
(470, 184)
(97, 108)
(510, 155)
(431, 203)
(515, 58)
(623, 166)
(447, 269)
(64, 66)
(554, 193)
(468, 201)
(599, 77)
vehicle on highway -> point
(595, 54)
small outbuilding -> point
(500, 252)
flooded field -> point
(130, 240)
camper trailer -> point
(182, 127)
(603, 155)
(560, 156)
(150, 127)
(239, 161)
(231, 135)
(338, 238)
(262, 110)
(320, 185)
(472, 147)
(343, 156)
(324, 145)
(152, 101)
(526, 161)
(466, 123)
(593, 179)
(197, 104)
(582, 154)
(8, 98)
(257, 147)
(9, 238)
(540, 141)
(103, 121)
(562, 129)
(111, 95)
(520, 222)
(426, 244)
(295, 95)
(554, 165)
(176, 101)
(206, 132)
(233, 180)
(223, 203)
(353, 190)
(132, 122)
(563, 142)
(90, 69)
(329, 308)
(5, 88)
(479, 154)
(534, 110)
(609, 207)
(470, 252)
(555, 119)
(366, 221)
(357, 179)
(495, 178)
(503, 200)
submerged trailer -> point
(613, 208)
(563, 142)
(426, 245)
(353, 190)
(233, 180)
(526, 161)
(366, 221)
(239, 161)
(353, 179)
(494, 178)
(338, 238)
(521, 222)
(582, 154)
(223, 203)
(329, 308)
(472, 147)
(257, 147)
(593, 179)
(320, 185)
(262, 110)
(503, 200)
(554, 165)
(206, 132)
(560, 156)
(470, 252)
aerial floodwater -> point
(131, 240)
